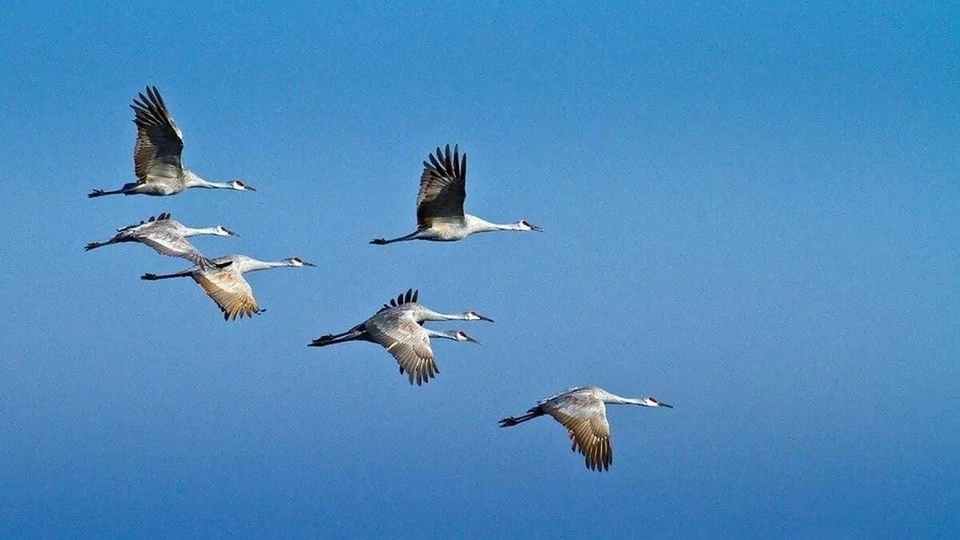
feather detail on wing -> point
(407, 342)
(589, 431)
(156, 155)
(175, 246)
(443, 187)
(229, 290)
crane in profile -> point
(222, 280)
(440, 216)
(156, 156)
(398, 327)
(582, 412)
(165, 235)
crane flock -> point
(399, 325)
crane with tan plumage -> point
(582, 412)
(222, 280)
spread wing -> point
(407, 341)
(229, 290)
(156, 156)
(174, 245)
(443, 187)
(587, 426)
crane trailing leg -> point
(125, 190)
(95, 245)
(514, 420)
(155, 277)
(384, 241)
(350, 335)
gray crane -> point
(581, 410)
(440, 216)
(398, 327)
(156, 156)
(222, 280)
(165, 235)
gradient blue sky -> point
(753, 212)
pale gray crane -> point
(440, 216)
(581, 410)
(398, 327)
(223, 281)
(156, 156)
(165, 235)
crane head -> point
(240, 186)
(525, 225)
(297, 261)
(651, 401)
(223, 231)
(474, 316)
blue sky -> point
(752, 213)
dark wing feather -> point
(156, 155)
(443, 187)
(161, 217)
(404, 298)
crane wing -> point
(174, 245)
(151, 219)
(587, 426)
(156, 156)
(443, 187)
(229, 290)
(408, 298)
(407, 342)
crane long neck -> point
(482, 225)
(254, 265)
(430, 315)
(190, 231)
(191, 180)
(619, 400)
(439, 334)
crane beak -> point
(538, 229)
(231, 233)
(471, 340)
(248, 187)
(305, 263)
(482, 318)
(667, 405)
